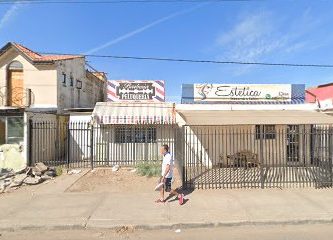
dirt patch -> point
(105, 180)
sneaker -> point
(181, 199)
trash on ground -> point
(74, 171)
(11, 180)
(115, 168)
(125, 229)
(133, 170)
(178, 231)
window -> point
(71, 80)
(14, 130)
(15, 65)
(11, 130)
(64, 79)
(269, 131)
(135, 135)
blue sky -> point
(266, 31)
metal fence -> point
(209, 156)
(80, 144)
(257, 156)
(60, 143)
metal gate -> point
(60, 143)
(322, 145)
(257, 156)
(80, 144)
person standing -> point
(167, 175)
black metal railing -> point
(80, 144)
(258, 157)
(60, 143)
(246, 156)
(16, 97)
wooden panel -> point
(15, 88)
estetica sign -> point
(136, 91)
(242, 92)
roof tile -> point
(36, 57)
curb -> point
(38, 227)
(171, 226)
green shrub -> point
(149, 169)
(58, 171)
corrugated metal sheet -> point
(134, 113)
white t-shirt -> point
(167, 160)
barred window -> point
(135, 135)
(269, 131)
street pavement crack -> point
(99, 202)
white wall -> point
(80, 136)
(108, 150)
(211, 145)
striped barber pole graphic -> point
(136, 91)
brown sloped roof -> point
(36, 57)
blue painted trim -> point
(187, 93)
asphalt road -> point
(292, 232)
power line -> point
(198, 60)
(314, 65)
(118, 1)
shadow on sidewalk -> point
(180, 190)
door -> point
(293, 144)
(15, 88)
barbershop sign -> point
(136, 91)
(242, 92)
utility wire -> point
(118, 1)
(196, 60)
(313, 65)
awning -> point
(134, 113)
(240, 117)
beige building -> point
(42, 87)
(28, 79)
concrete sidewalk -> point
(59, 209)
